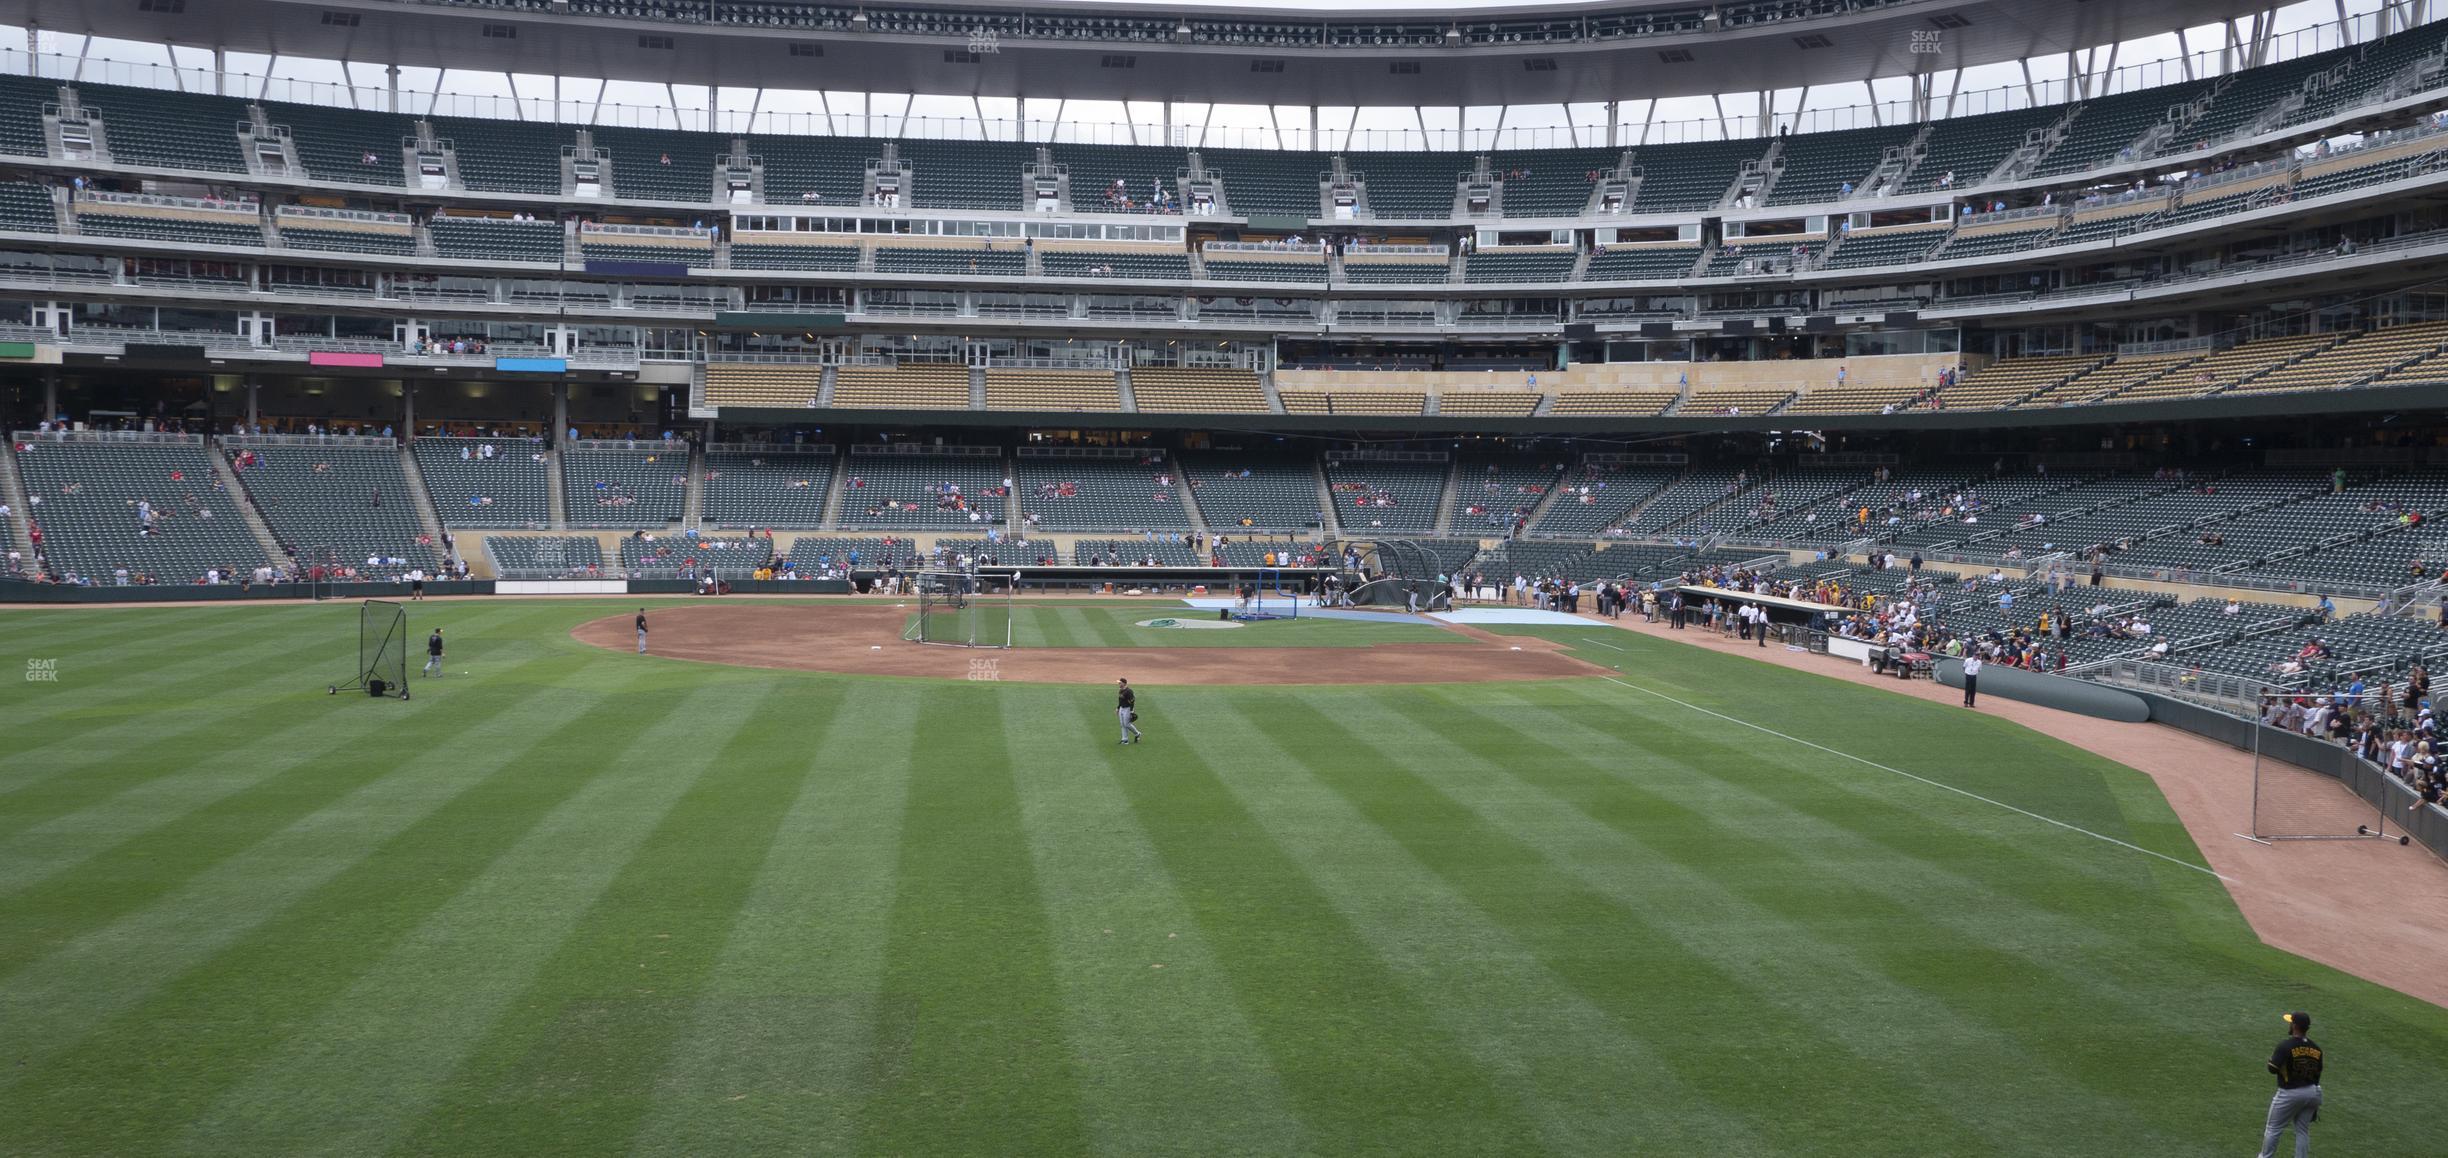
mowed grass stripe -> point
(573, 1062)
(184, 667)
(1164, 1051)
(968, 1054)
(385, 1042)
(263, 794)
(1994, 956)
(774, 1057)
(182, 684)
(1851, 718)
(1956, 839)
(1556, 917)
(1045, 627)
(106, 769)
(1762, 901)
(304, 911)
(1327, 955)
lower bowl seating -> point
(90, 521)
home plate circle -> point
(1191, 624)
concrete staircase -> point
(1187, 496)
(837, 492)
(12, 491)
(692, 504)
(244, 503)
(556, 495)
(1445, 498)
(1328, 524)
(428, 516)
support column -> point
(391, 71)
(1614, 114)
(407, 410)
(51, 407)
(560, 399)
(252, 413)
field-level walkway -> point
(2370, 908)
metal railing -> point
(132, 437)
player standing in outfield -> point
(641, 626)
(2297, 1062)
(433, 653)
(1127, 710)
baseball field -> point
(1646, 899)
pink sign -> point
(337, 358)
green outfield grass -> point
(574, 901)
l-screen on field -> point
(1633, 897)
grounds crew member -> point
(2297, 1062)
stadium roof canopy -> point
(1428, 56)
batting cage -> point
(963, 609)
(1401, 574)
(1266, 597)
(2291, 803)
(382, 651)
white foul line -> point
(1923, 779)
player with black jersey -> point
(641, 629)
(2297, 1062)
(433, 653)
(1127, 710)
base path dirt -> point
(865, 639)
(2374, 909)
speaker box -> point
(1581, 332)
(1657, 329)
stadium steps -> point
(1538, 510)
(1122, 390)
(1266, 385)
(1759, 478)
(692, 501)
(1186, 494)
(1638, 509)
(1326, 503)
(556, 496)
(427, 515)
(1445, 499)
(12, 489)
(837, 490)
(228, 480)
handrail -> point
(148, 437)
(327, 213)
(166, 201)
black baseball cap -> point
(2299, 1021)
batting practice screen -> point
(964, 610)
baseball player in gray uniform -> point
(2297, 1062)
(1127, 710)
